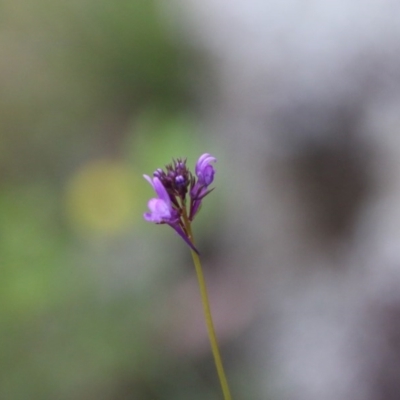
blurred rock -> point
(305, 98)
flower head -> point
(172, 186)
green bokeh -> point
(84, 81)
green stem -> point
(208, 317)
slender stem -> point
(208, 317)
(210, 327)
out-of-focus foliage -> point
(91, 97)
(66, 65)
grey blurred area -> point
(300, 240)
(304, 99)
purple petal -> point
(208, 174)
(203, 161)
(200, 161)
(204, 171)
(148, 179)
(161, 191)
(159, 211)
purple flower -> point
(204, 171)
(205, 176)
(161, 210)
(180, 194)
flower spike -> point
(172, 186)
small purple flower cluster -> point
(172, 187)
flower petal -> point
(148, 179)
(161, 191)
(205, 171)
(208, 174)
(204, 159)
(159, 211)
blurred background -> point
(300, 241)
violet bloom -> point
(161, 210)
(204, 170)
(173, 186)
(205, 174)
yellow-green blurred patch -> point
(100, 197)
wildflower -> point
(172, 186)
(204, 170)
(161, 210)
(205, 175)
(180, 194)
